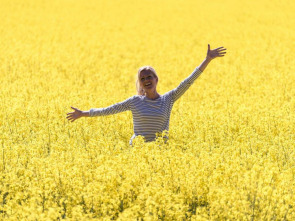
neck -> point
(152, 95)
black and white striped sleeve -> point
(184, 85)
(113, 109)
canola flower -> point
(230, 154)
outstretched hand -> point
(72, 116)
(217, 52)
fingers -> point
(219, 48)
(220, 55)
(71, 118)
(74, 108)
(221, 51)
(217, 52)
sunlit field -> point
(231, 149)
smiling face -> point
(148, 80)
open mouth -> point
(148, 84)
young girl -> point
(150, 110)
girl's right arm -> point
(113, 109)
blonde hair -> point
(139, 89)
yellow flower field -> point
(231, 150)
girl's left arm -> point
(211, 54)
(184, 85)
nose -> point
(145, 80)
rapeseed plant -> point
(230, 153)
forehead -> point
(144, 73)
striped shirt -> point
(149, 116)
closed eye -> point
(147, 78)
